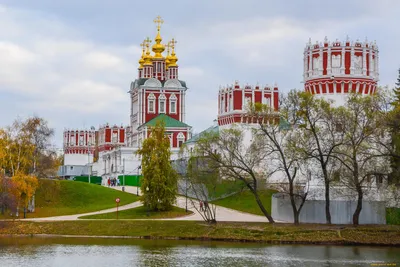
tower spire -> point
(158, 48)
(147, 57)
(173, 59)
(141, 60)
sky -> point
(72, 62)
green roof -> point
(195, 138)
(284, 124)
(169, 122)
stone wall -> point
(373, 212)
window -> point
(181, 139)
(151, 103)
(336, 61)
(81, 140)
(115, 137)
(161, 103)
(172, 104)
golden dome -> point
(158, 47)
(167, 61)
(141, 60)
(147, 57)
(173, 58)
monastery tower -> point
(158, 94)
(333, 69)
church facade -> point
(157, 95)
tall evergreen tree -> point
(159, 184)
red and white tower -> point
(333, 69)
(234, 100)
(158, 95)
(79, 146)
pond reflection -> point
(134, 252)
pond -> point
(39, 251)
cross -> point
(158, 20)
(143, 45)
(147, 41)
(168, 45)
(173, 42)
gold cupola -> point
(158, 47)
(173, 58)
(147, 57)
(167, 62)
(141, 60)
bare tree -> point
(234, 159)
(320, 133)
(363, 155)
(277, 135)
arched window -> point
(172, 104)
(181, 139)
(151, 102)
(161, 103)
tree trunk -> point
(356, 215)
(293, 202)
(327, 199)
(264, 211)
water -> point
(22, 252)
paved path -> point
(222, 214)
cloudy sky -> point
(72, 61)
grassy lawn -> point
(393, 216)
(54, 198)
(245, 201)
(224, 231)
(140, 213)
(225, 187)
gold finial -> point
(168, 45)
(173, 59)
(158, 20)
(158, 48)
(141, 60)
(147, 57)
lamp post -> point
(137, 179)
(148, 204)
(123, 174)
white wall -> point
(77, 159)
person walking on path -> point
(108, 182)
(201, 205)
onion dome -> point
(158, 47)
(167, 58)
(173, 58)
(147, 57)
(141, 60)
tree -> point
(159, 184)
(278, 137)
(39, 134)
(25, 187)
(202, 179)
(233, 159)
(363, 155)
(396, 91)
(7, 198)
(320, 126)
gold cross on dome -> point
(143, 45)
(173, 42)
(147, 41)
(168, 45)
(158, 20)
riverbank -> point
(222, 231)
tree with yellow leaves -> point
(25, 188)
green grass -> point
(393, 216)
(140, 213)
(226, 231)
(246, 202)
(225, 187)
(55, 198)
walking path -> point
(222, 214)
